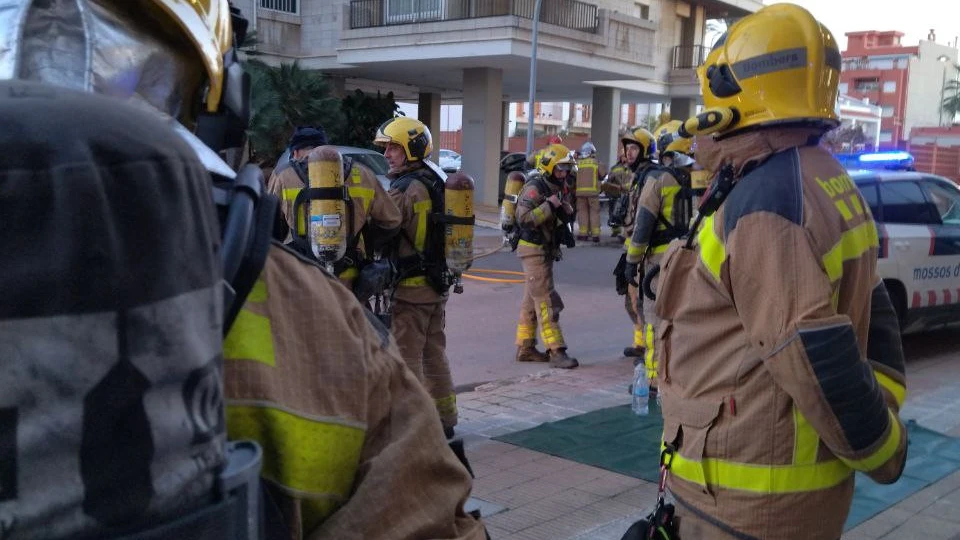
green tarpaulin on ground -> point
(617, 440)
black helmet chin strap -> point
(246, 224)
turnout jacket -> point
(782, 370)
(656, 205)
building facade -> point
(906, 82)
(478, 53)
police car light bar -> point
(885, 157)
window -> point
(641, 11)
(903, 202)
(843, 87)
(866, 85)
(946, 198)
(889, 87)
(376, 162)
(869, 191)
(400, 11)
(886, 136)
(886, 111)
(286, 6)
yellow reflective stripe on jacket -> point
(422, 210)
(667, 194)
(290, 194)
(313, 458)
(251, 336)
(662, 248)
(806, 442)
(712, 250)
(884, 453)
(634, 250)
(755, 478)
(538, 216)
(852, 245)
(413, 281)
(898, 390)
(350, 273)
(594, 168)
(364, 194)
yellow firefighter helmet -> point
(410, 133)
(776, 66)
(552, 156)
(206, 24)
(642, 137)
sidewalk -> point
(527, 495)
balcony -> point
(689, 56)
(430, 44)
(571, 14)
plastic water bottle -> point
(641, 391)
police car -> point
(918, 224)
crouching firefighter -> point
(541, 212)
(434, 247)
(784, 370)
(664, 211)
(347, 204)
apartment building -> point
(477, 52)
(906, 82)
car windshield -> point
(376, 162)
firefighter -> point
(615, 184)
(664, 211)
(372, 216)
(419, 309)
(782, 366)
(589, 173)
(542, 210)
(142, 329)
(639, 149)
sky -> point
(914, 18)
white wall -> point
(925, 83)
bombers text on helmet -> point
(551, 156)
(411, 134)
(776, 66)
(641, 137)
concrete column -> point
(482, 111)
(428, 110)
(605, 123)
(505, 127)
(682, 108)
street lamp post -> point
(533, 75)
(943, 85)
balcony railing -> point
(689, 56)
(571, 14)
(286, 6)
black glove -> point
(630, 273)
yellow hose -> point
(494, 280)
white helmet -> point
(587, 150)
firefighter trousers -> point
(419, 331)
(588, 216)
(541, 304)
(651, 322)
(633, 302)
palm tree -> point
(285, 97)
(951, 96)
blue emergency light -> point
(894, 160)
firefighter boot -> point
(528, 352)
(559, 359)
(634, 352)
